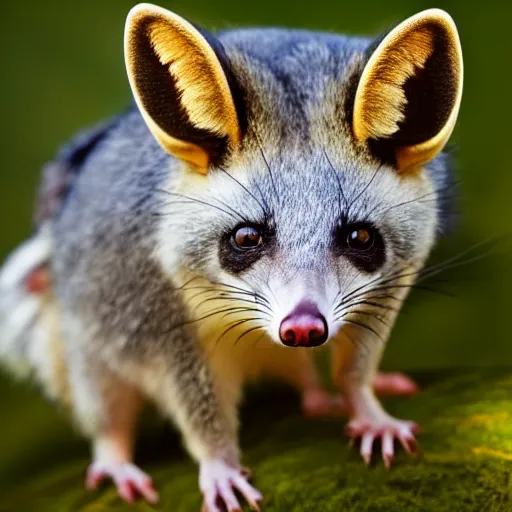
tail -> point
(29, 336)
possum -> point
(270, 191)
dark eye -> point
(243, 246)
(361, 239)
(247, 237)
(362, 244)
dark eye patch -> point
(243, 246)
(362, 244)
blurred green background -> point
(62, 68)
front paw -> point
(129, 480)
(387, 429)
(218, 481)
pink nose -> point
(305, 326)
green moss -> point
(302, 465)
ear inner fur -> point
(382, 101)
(180, 86)
(410, 90)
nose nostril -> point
(319, 335)
(289, 336)
(315, 335)
(304, 329)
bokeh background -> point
(62, 68)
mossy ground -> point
(306, 466)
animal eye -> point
(244, 245)
(361, 239)
(362, 244)
(247, 237)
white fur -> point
(25, 258)
(20, 309)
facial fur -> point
(300, 257)
(303, 181)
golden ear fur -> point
(179, 86)
(410, 90)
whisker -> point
(231, 286)
(195, 296)
(367, 313)
(240, 291)
(184, 285)
(410, 286)
(221, 291)
(228, 311)
(235, 299)
(257, 340)
(437, 193)
(267, 284)
(333, 169)
(367, 186)
(233, 310)
(194, 200)
(433, 270)
(234, 296)
(457, 259)
(256, 184)
(365, 303)
(244, 309)
(426, 272)
(267, 165)
(232, 326)
(384, 296)
(246, 333)
(265, 211)
(364, 326)
(223, 203)
(350, 295)
(335, 300)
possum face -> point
(307, 199)
(303, 257)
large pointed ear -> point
(409, 93)
(180, 86)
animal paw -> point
(218, 482)
(394, 384)
(129, 480)
(319, 403)
(387, 430)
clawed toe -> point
(388, 432)
(129, 480)
(218, 482)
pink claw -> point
(387, 432)
(218, 481)
(129, 480)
